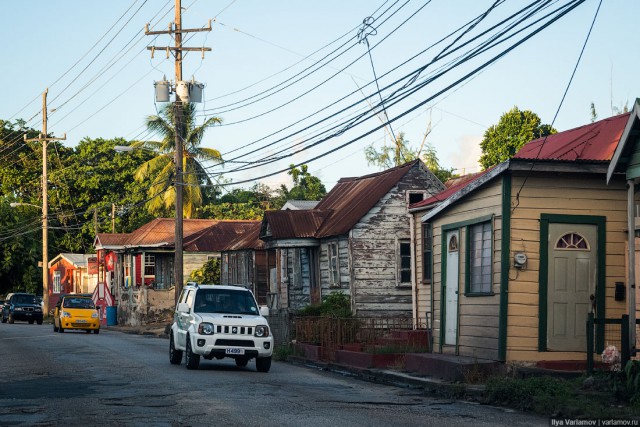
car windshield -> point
(78, 303)
(225, 301)
(24, 299)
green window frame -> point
(427, 253)
(479, 258)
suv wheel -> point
(11, 319)
(4, 319)
(191, 359)
(55, 328)
(175, 356)
(263, 364)
(39, 321)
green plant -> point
(284, 351)
(336, 304)
(632, 375)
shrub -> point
(336, 304)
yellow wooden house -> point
(510, 261)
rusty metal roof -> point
(352, 198)
(593, 142)
(249, 239)
(106, 240)
(218, 236)
(161, 231)
(289, 224)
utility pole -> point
(42, 138)
(113, 217)
(178, 107)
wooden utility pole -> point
(177, 50)
(43, 139)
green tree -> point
(514, 129)
(305, 185)
(208, 273)
(402, 152)
(160, 170)
(87, 184)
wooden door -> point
(451, 288)
(571, 283)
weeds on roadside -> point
(284, 351)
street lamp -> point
(45, 254)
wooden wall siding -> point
(422, 291)
(473, 341)
(374, 251)
(588, 195)
(343, 255)
(298, 278)
(193, 261)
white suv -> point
(220, 321)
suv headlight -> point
(94, 315)
(262, 331)
(205, 328)
(37, 309)
(65, 314)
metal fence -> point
(368, 334)
(616, 333)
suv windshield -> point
(24, 299)
(224, 301)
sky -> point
(289, 78)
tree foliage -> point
(402, 152)
(160, 170)
(208, 273)
(305, 185)
(514, 129)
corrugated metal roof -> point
(249, 239)
(352, 198)
(218, 236)
(300, 204)
(162, 231)
(452, 188)
(593, 142)
(290, 224)
(112, 239)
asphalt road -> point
(79, 379)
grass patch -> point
(600, 396)
(282, 352)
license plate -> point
(235, 351)
(81, 321)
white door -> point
(571, 283)
(451, 288)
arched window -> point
(453, 243)
(572, 242)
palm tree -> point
(161, 171)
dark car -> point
(21, 306)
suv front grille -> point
(235, 343)
(234, 330)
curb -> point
(395, 378)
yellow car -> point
(76, 312)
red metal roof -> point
(289, 224)
(593, 142)
(352, 198)
(452, 187)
